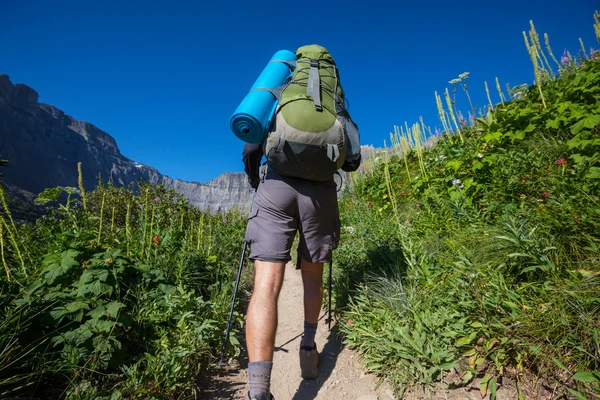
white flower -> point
(479, 155)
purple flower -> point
(461, 187)
(156, 199)
(362, 169)
(565, 58)
(438, 132)
(455, 181)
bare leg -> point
(261, 318)
(312, 278)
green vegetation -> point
(127, 299)
(477, 255)
(480, 254)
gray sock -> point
(259, 378)
(308, 340)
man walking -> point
(311, 137)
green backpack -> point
(307, 137)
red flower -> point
(369, 203)
(561, 161)
(545, 193)
(349, 322)
(156, 240)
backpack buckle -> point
(314, 63)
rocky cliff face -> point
(43, 146)
(228, 191)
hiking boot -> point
(309, 362)
(254, 398)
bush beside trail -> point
(479, 255)
(115, 295)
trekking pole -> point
(330, 272)
(237, 283)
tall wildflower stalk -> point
(535, 40)
(394, 138)
(449, 102)
(151, 227)
(81, 187)
(531, 49)
(12, 229)
(15, 244)
(487, 91)
(199, 237)
(388, 182)
(463, 83)
(499, 88)
(8, 277)
(547, 41)
(423, 130)
(112, 220)
(128, 226)
(416, 134)
(101, 215)
(597, 25)
(583, 49)
(405, 147)
(442, 113)
(145, 223)
(6, 209)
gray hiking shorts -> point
(284, 205)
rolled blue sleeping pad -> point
(252, 118)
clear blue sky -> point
(164, 77)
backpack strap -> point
(333, 153)
(314, 84)
(276, 91)
(290, 63)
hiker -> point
(295, 191)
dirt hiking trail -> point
(340, 372)
(341, 375)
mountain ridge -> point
(43, 145)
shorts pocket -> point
(251, 230)
(253, 213)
